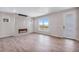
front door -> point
(69, 25)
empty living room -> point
(39, 29)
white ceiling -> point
(32, 11)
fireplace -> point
(24, 30)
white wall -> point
(23, 22)
(56, 22)
(7, 28)
(15, 22)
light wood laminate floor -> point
(37, 43)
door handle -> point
(63, 27)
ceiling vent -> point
(23, 15)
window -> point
(43, 24)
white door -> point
(70, 25)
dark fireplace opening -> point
(24, 30)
